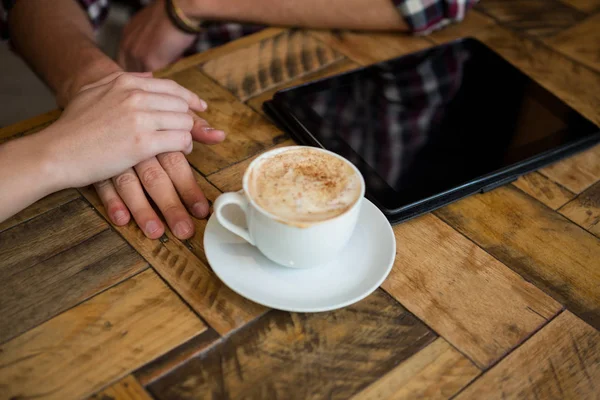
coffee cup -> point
(301, 205)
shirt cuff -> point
(426, 16)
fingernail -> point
(152, 227)
(120, 217)
(203, 105)
(182, 229)
(200, 209)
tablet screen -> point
(432, 121)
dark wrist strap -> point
(180, 20)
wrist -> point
(97, 67)
(37, 166)
(185, 15)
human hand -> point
(150, 41)
(163, 177)
(118, 122)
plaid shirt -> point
(422, 17)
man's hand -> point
(150, 41)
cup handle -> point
(240, 200)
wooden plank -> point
(541, 245)
(336, 68)
(47, 235)
(543, 189)
(248, 133)
(230, 179)
(477, 304)
(215, 52)
(221, 308)
(301, 356)
(28, 126)
(576, 173)
(368, 48)
(581, 42)
(33, 295)
(196, 242)
(269, 63)
(562, 361)
(474, 22)
(127, 388)
(587, 6)
(511, 10)
(585, 210)
(572, 82)
(436, 372)
(46, 204)
(82, 350)
(541, 18)
(177, 357)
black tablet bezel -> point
(378, 191)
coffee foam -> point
(304, 185)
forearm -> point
(336, 14)
(57, 40)
(26, 174)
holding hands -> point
(116, 129)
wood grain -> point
(543, 189)
(177, 357)
(573, 83)
(127, 388)
(46, 204)
(562, 361)
(28, 126)
(576, 173)
(218, 51)
(511, 10)
(248, 133)
(369, 48)
(541, 245)
(336, 68)
(193, 280)
(33, 295)
(541, 18)
(47, 235)
(584, 5)
(436, 372)
(581, 42)
(196, 242)
(474, 22)
(269, 63)
(230, 179)
(300, 356)
(477, 304)
(82, 350)
(585, 210)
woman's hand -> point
(118, 122)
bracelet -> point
(180, 20)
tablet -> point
(432, 127)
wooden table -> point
(496, 296)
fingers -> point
(166, 86)
(180, 172)
(204, 133)
(129, 188)
(161, 120)
(167, 141)
(114, 206)
(160, 102)
(159, 186)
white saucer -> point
(360, 268)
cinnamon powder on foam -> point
(304, 185)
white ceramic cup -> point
(283, 242)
